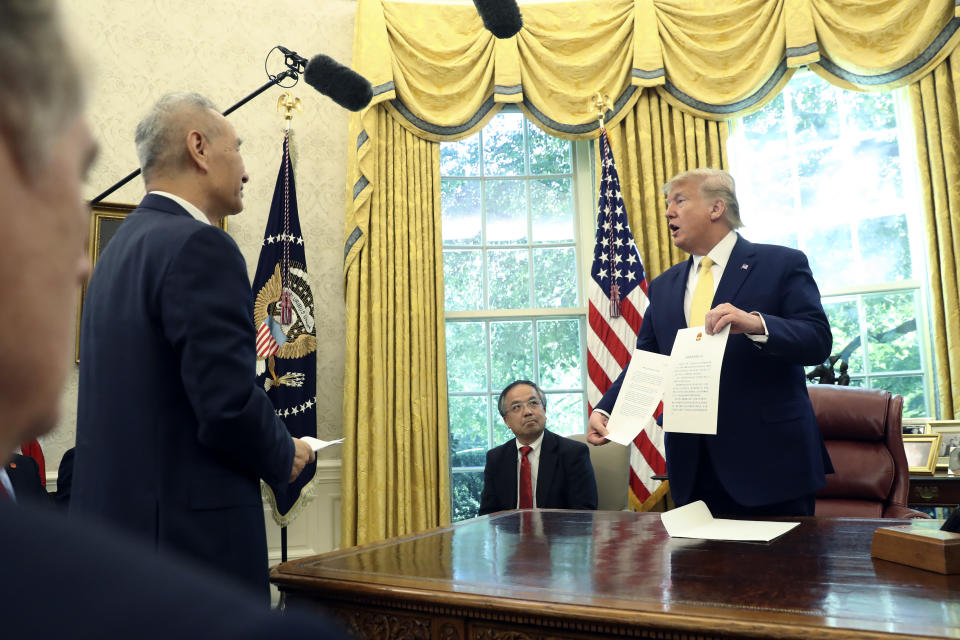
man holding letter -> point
(173, 432)
(767, 457)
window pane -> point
(466, 356)
(548, 155)
(560, 361)
(885, 247)
(501, 432)
(462, 280)
(555, 277)
(508, 272)
(894, 344)
(830, 252)
(460, 202)
(845, 326)
(466, 487)
(551, 205)
(506, 206)
(461, 158)
(910, 387)
(468, 431)
(767, 125)
(503, 145)
(566, 413)
(814, 110)
(511, 353)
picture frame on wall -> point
(921, 450)
(105, 219)
(949, 432)
(915, 425)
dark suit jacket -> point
(24, 474)
(76, 580)
(173, 434)
(768, 447)
(564, 477)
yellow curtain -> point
(395, 456)
(935, 101)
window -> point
(513, 264)
(832, 173)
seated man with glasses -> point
(537, 468)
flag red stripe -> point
(597, 374)
(609, 338)
(637, 487)
(629, 312)
(649, 452)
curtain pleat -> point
(935, 102)
(395, 458)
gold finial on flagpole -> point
(602, 104)
(288, 104)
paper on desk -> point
(640, 393)
(695, 521)
(692, 386)
(316, 445)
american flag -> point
(617, 291)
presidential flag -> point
(617, 290)
(284, 315)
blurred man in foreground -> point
(64, 579)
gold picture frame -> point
(921, 450)
(949, 431)
(105, 219)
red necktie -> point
(526, 484)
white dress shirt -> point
(5, 481)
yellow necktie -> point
(702, 294)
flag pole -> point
(287, 104)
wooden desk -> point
(564, 574)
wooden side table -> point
(940, 490)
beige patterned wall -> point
(137, 51)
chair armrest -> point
(898, 511)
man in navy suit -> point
(561, 475)
(173, 433)
(767, 457)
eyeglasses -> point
(533, 403)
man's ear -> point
(197, 150)
(718, 209)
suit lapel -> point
(676, 288)
(510, 452)
(547, 467)
(742, 261)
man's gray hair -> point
(41, 87)
(715, 184)
(159, 134)
(502, 400)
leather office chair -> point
(611, 465)
(861, 428)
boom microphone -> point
(501, 17)
(344, 86)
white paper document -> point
(316, 445)
(692, 386)
(695, 521)
(640, 393)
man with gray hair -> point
(64, 578)
(767, 457)
(173, 433)
(537, 468)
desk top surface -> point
(818, 578)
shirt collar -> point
(191, 208)
(720, 254)
(535, 445)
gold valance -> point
(444, 75)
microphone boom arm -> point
(274, 80)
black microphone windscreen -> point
(501, 17)
(341, 84)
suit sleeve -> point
(799, 332)
(646, 341)
(207, 318)
(581, 482)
